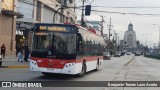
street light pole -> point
(159, 35)
(110, 28)
(55, 14)
(82, 17)
(146, 38)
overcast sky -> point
(142, 24)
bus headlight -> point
(39, 61)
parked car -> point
(137, 53)
(141, 53)
(122, 53)
(107, 56)
(128, 53)
(117, 54)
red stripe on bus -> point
(60, 63)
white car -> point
(106, 56)
(117, 54)
(128, 53)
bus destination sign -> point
(53, 28)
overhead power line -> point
(128, 7)
(106, 7)
(126, 13)
(91, 2)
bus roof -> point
(56, 24)
(67, 24)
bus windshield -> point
(54, 43)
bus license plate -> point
(50, 69)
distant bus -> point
(65, 49)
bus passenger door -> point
(79, 45)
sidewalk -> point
(12, 62)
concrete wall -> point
(7, 33)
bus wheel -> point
(83, 71)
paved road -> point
(117, 69)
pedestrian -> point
(3, 50)
(111, 53)
(20, 56)
(17, 49)
(26, 53)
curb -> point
(14, 67)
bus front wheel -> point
(83, 71)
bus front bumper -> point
(69, 68)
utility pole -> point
(115, 41)
(159, 35)
(146, 38)
(118, 40)
(110, 28)
(62, 10)
(102, 25)
(82, 17)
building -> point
(96, 25)
(130, 37)
(48, 11)
(8, 17)
(25, 24)
(92, 25)
(42, 11)
(17, 18)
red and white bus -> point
(65, 49)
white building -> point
(130, 37)
(96, 25)
(43, 11)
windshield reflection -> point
(55, 43)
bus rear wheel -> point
(83, 71)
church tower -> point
(130, 37)
(130, 27)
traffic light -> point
(88, 10)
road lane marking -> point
(129, 61)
